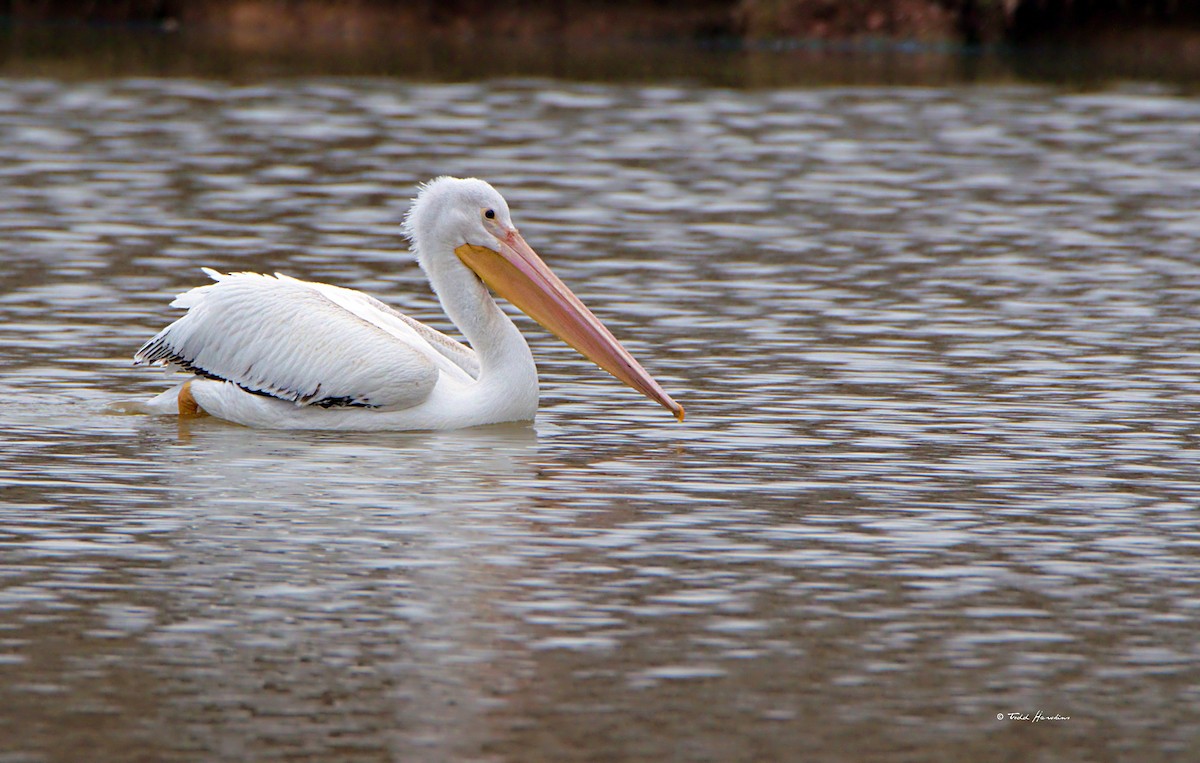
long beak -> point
(519, 275)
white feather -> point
(308, 343)
(463, 362)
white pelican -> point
(280, 353)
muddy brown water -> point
(939, 349)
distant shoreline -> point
(265, 24)
(609, 40)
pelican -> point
(280, 353)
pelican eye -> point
(490, 214)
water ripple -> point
(939, 463)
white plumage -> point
(327, 348)
(278, 352)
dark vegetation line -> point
(969, 21)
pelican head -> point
(470, 218)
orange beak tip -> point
(679, 414)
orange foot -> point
(188, 407)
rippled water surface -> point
(940, 353)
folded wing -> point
(306, 343)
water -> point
(939, 351)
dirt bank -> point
(267, 22)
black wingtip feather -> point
(157, 351)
